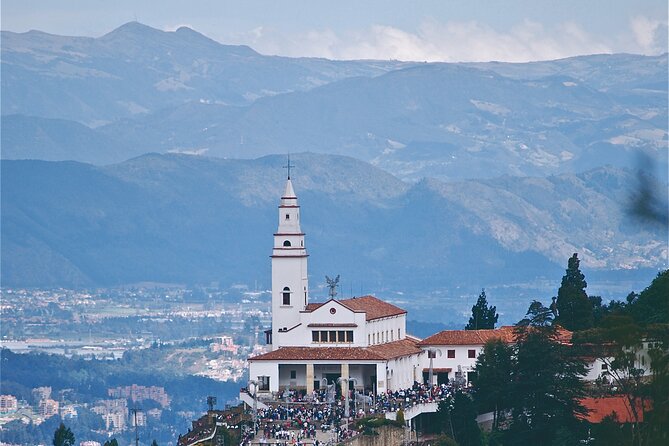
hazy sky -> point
(446, 30)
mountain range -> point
(193, 219)
(145, 155)
(137, 90)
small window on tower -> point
(286, 243)
(286, 296)
(287, 216)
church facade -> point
(361, 340)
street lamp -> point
(432, 353)
(347, 412)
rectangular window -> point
(263, 383)
(398, 334)
(293, 374)
(314, 336)
(369, 339)
(374, 338)
(341, 336)
(471, 353)
(287, 216)
(392, 335)
(324, 336)
(605, 366)
(333, 336)
(349, 336)
(451, 354)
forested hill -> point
(192, 219)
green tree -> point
(457, 417)
(651, 306)
(111, 442)
(573, 307)
(154, 443)
(547, 383)
(63, 436)
(483, 316)
(494, 368)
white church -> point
(361, 340)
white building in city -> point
(362, 340)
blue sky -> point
(444, 30)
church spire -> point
(290, 280)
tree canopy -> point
(494, 367)
(483, 316)
(573, 307)
(63, 436)
(547, 382)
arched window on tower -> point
(286, 243)
(286, 296)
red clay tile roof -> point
(469, 337)
(396, 349)
(480, 337)
(438, 370)
(381, 352)
(373, 307)
(602, 407)
(313, 306)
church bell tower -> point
(290, 286)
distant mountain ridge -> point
(139, 89)
(137, 69)
(190, 219)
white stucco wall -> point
(265, 368)
(288, 272)
(402, 372)
(461, 358)
(381, 331)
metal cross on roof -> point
(288, 166)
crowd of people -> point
(295, 418)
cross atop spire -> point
(288, 166)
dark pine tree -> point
(63, 436)
(574, 309)
(547, 384)
(494, 369)
(483, 316)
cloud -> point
(172, 28)
(649, 34)
(452, 41)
